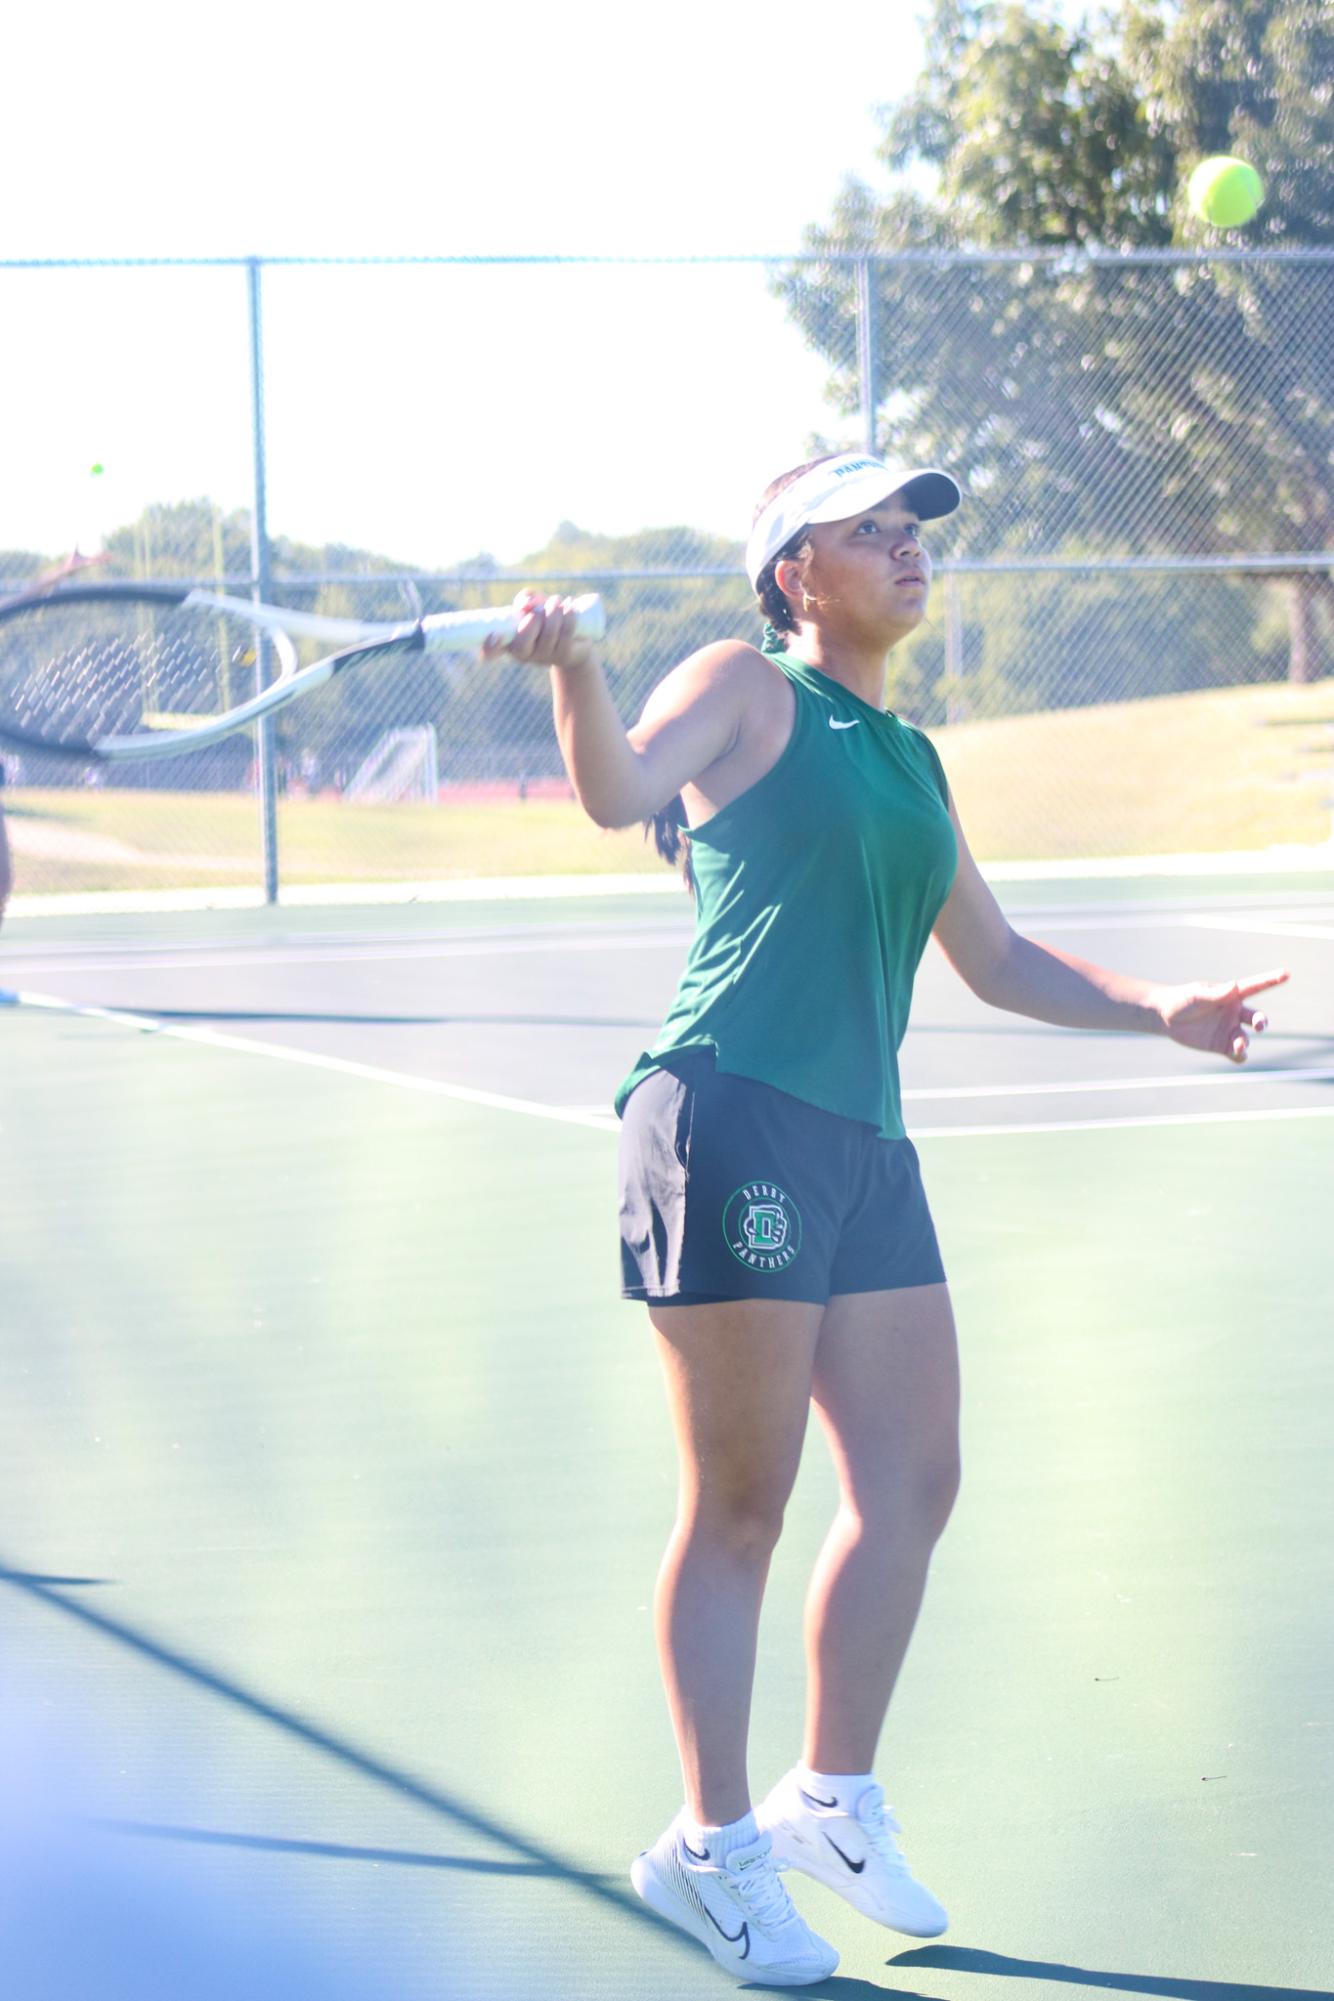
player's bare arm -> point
(695, 718)
(1023, 976)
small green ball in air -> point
(1225, 192)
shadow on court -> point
(340, 1851)
(537, 1860)
(148, 1010)
(964, 1959)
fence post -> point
(866, 355)
(260, 587)
(956, 702)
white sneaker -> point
(737, 1907)
(854, 1853)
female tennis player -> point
(772, 1210)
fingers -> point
(545, 632)
(1262, 981)
(1253, 1018)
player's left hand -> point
(1218, 1017)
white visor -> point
(838, 488)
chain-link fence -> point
(1131, 632)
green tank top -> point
(816, 891)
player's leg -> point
(738, 1379)
(738, 1383)
(728, 1224)
(886, 1387)
(697, 1228)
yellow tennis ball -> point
(1225, 192)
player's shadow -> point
(968, 1959)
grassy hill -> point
(1235, 768)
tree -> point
(1095, 408)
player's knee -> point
(919, 1496)
(742, 1515)
(937, 1489)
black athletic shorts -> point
(730, 1189)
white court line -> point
(598, 1121)
(1277, 861)
(1271, 927)
(1178, 1080)
(1108, 1125)
(340, 952)
(342, 1065)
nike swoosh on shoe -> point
(856, 1867)
(733, 1938)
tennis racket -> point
(106, 673)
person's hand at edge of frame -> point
(547, 635)
(1216, 1016)
(49, 580)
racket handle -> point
(462, 631)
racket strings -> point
(76, 674)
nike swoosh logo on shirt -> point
(856, 1867)
(835, 724)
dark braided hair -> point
(668, 828)
(779, 617)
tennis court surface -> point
(337, 1473)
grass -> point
(1232, 769)
(1236, 768)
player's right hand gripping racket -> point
(105, 673)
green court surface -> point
(337, 1474)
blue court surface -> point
(337, 1473)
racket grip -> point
(591, 616)
(461, 631)
(589, 613)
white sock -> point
(718, 1842)
(844, 1788)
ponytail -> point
(671, 839)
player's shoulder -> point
(726, 665)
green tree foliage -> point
(1091, 408)
(655, 618)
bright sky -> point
(426, 414)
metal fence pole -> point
(866, 355)
(956, 702)
(260, 587)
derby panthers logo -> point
(762, 1226)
